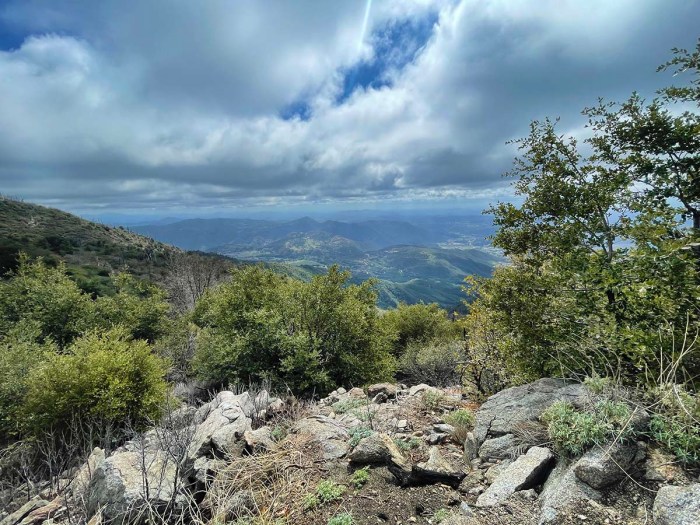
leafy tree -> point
(600, 244)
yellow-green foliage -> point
(676, 425)
(103, 376)
(418, 323)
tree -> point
(599, 243)
(189, 275)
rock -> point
(471, 449)
(677, 505)
(356, 392)
(602, 466)
(341, 391)
(475, 478)
(503, 412)
(239, 505)
(84, 474)
(206, 468)
(53, 510)
(443, 428)
(493, 472)
(259, 440)
(563, 494)
(328, 433)
(377, 448)
(526, 472)
(435, 438)
(417, 389)
(118, 485)
(437, 470)
(223, 422)
(387, 389)
(380, 398)
(21, 513)
(661, 466)
(498, 448)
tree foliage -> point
(603, 253)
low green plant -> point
(462, 421)
(598, 384)
(342, 519)
(440, 515)
(574, 431)
(407, 445)
(432, 399)
(360, 477)
(677, 425)
(278, 433)
(346, 405)
(327, 491)
(357, 434)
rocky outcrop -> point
(503, 412)
(677, 505)
(437, 470)
(528, 471)
(563, 493)
(330, 435)
(126, 482)
(602, 466)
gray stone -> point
(498, 448)
(259, 440)
(381, 397)
(443, 428)
(493, 472)
(437, 470)
(331, 436)
(377, 448)
(387, 389)
(563, 494)
(600, 467)
(435, 438)
(23, 511)
(525, 472)
(503, 412)
(471, 449)
(118, 486)
(677, 505)
(417, 389)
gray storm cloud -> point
(180, 104)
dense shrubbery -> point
(438, 363)
(107, 377)
(65, 355)
(307, 336)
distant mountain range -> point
(423, 260)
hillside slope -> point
(90, 250)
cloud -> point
(188, 104)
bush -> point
(327, 491)
(342, 519)
(574, 431)
(418, 323)
(432, 399)
(346, 405)
(436, 363)
(357, 434)
(360, 477)
(104, 376)
(463, 421)
(407, 445)
(677, 425)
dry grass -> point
(276, 482)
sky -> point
(181, 107)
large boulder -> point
(375, 449)
(330, 435)
(503, 412)
(564, 494)
(437, 470)
(127, 482)
(604, 465)
(222, 423)
(528, 471)
(499, 447)
(677, 505)
(388, 389)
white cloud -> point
(180, 103)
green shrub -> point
(432, 399)
(357, 434)
(407, 445)
(342, 519)
(677, 426)
(463, 421)
(436, 363)
(418, 323)
(574, 431)
(597, 384)
(440, 515)
(346, 405)
(102, 376)
(360, 477)
(329, 491)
